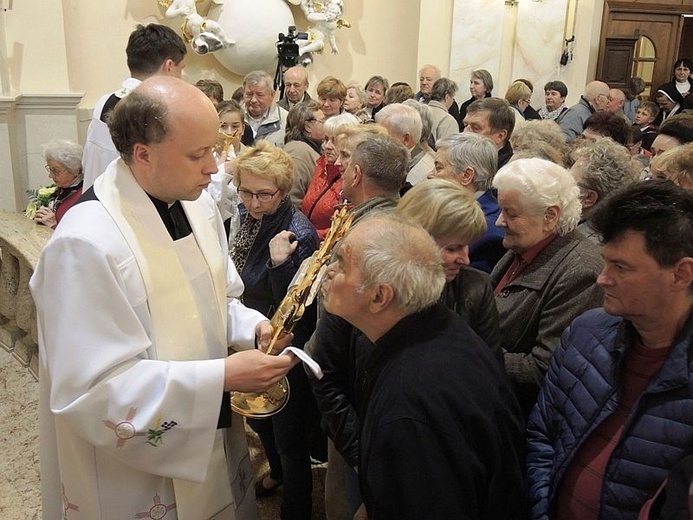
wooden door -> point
(660, 25)
(616, 62)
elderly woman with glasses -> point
(548, 276)
(272, 242)
(303, 142)
(64, 166)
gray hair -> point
(378, 80)
(540, 150)
(468, 150)
(333, 125)
(424, 114)
(383, 161)
(401, 119)
(65, 152)
(401, 254)
(299, 115)
(442, 87)
(429, 66)
(527, 136)
(542, 184)
(360, 92)
(605, 166)
(255, 77)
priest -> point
(137, 304)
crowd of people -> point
(504, 332)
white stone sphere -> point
(254, 25)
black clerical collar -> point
(173, 217)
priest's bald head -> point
(165, 130)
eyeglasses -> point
(318, 121)
(247, 196)
(54, 171)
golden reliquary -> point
(301, 293)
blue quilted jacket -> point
(581, 389)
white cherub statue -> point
(203, 34)
(327, 18)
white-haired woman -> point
(64, 166)
(548, 277)
(356, 101)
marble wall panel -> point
(477, 35)
(539, 43)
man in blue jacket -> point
(615, 413)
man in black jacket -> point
(373, 168)
(441, 433)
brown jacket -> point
(535, 308)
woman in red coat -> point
(325, 190)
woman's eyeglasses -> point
(247, 196)
(54, 171)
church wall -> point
(37, 103)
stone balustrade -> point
(21, 242)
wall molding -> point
(7, 103)
(49, 101)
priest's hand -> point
(255, 371)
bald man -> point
(295, 87)
(137, 305)
(595, 99)
(617, 100)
